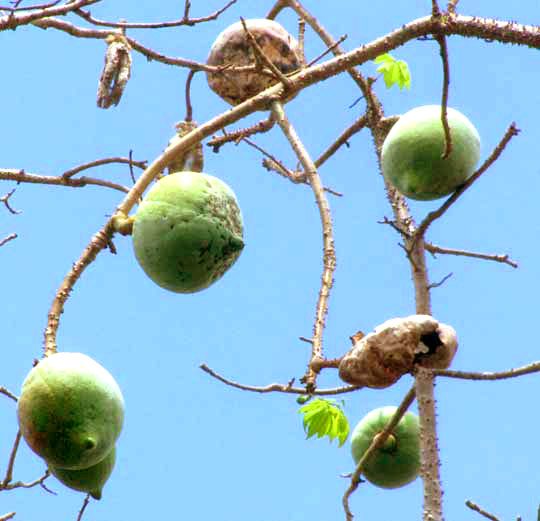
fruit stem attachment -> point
(377, 442)
(329, 257)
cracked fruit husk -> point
(188, 231)
(91, 479)
(71, 411)
(233, 48)
(412, 152)
(397, 462)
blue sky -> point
(192, 447)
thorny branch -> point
(466, 26)
(425, 383)
(329, 255)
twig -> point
(329, 256)
(5, 517)
(83, 508)
(40, 482)
(185, 20)
(476, 508)
(301, 40)
(331, 44)
(447, 251)
(98, 162)
(80, 32)
(358, 125)
(440, 283)
(328, 50)
(263, 126)
(276, 165)
(131, 163)
(435, 11)
(9, 472)
(282, 388)
(441, 39)
(12, 20)
(29, 8)
(22, 177)
(8, 393)
(375, 444)
(432, 216)
(5, 199)
(502, 375)
(189, 108)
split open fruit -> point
(233, 48)
(411, 157)
(71, 411)
(397, 461)
(188, 231)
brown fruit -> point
(233, 48)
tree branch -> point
(12, 20)
(282, 388)
(329, 256)
(185, 20)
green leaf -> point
(394, 71)
(325, 418)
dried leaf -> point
(116, 71)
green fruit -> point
(89, 480)
(188, 231)
(397, 462)
(412, 153)
(70, 411)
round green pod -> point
(411, 156)
(91, 479)
(397, 462)
(71, 410)
(188, 231)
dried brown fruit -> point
(233, 48)
(379, 359)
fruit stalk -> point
(329, 256)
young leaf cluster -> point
(325, 418)
(394, 71)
